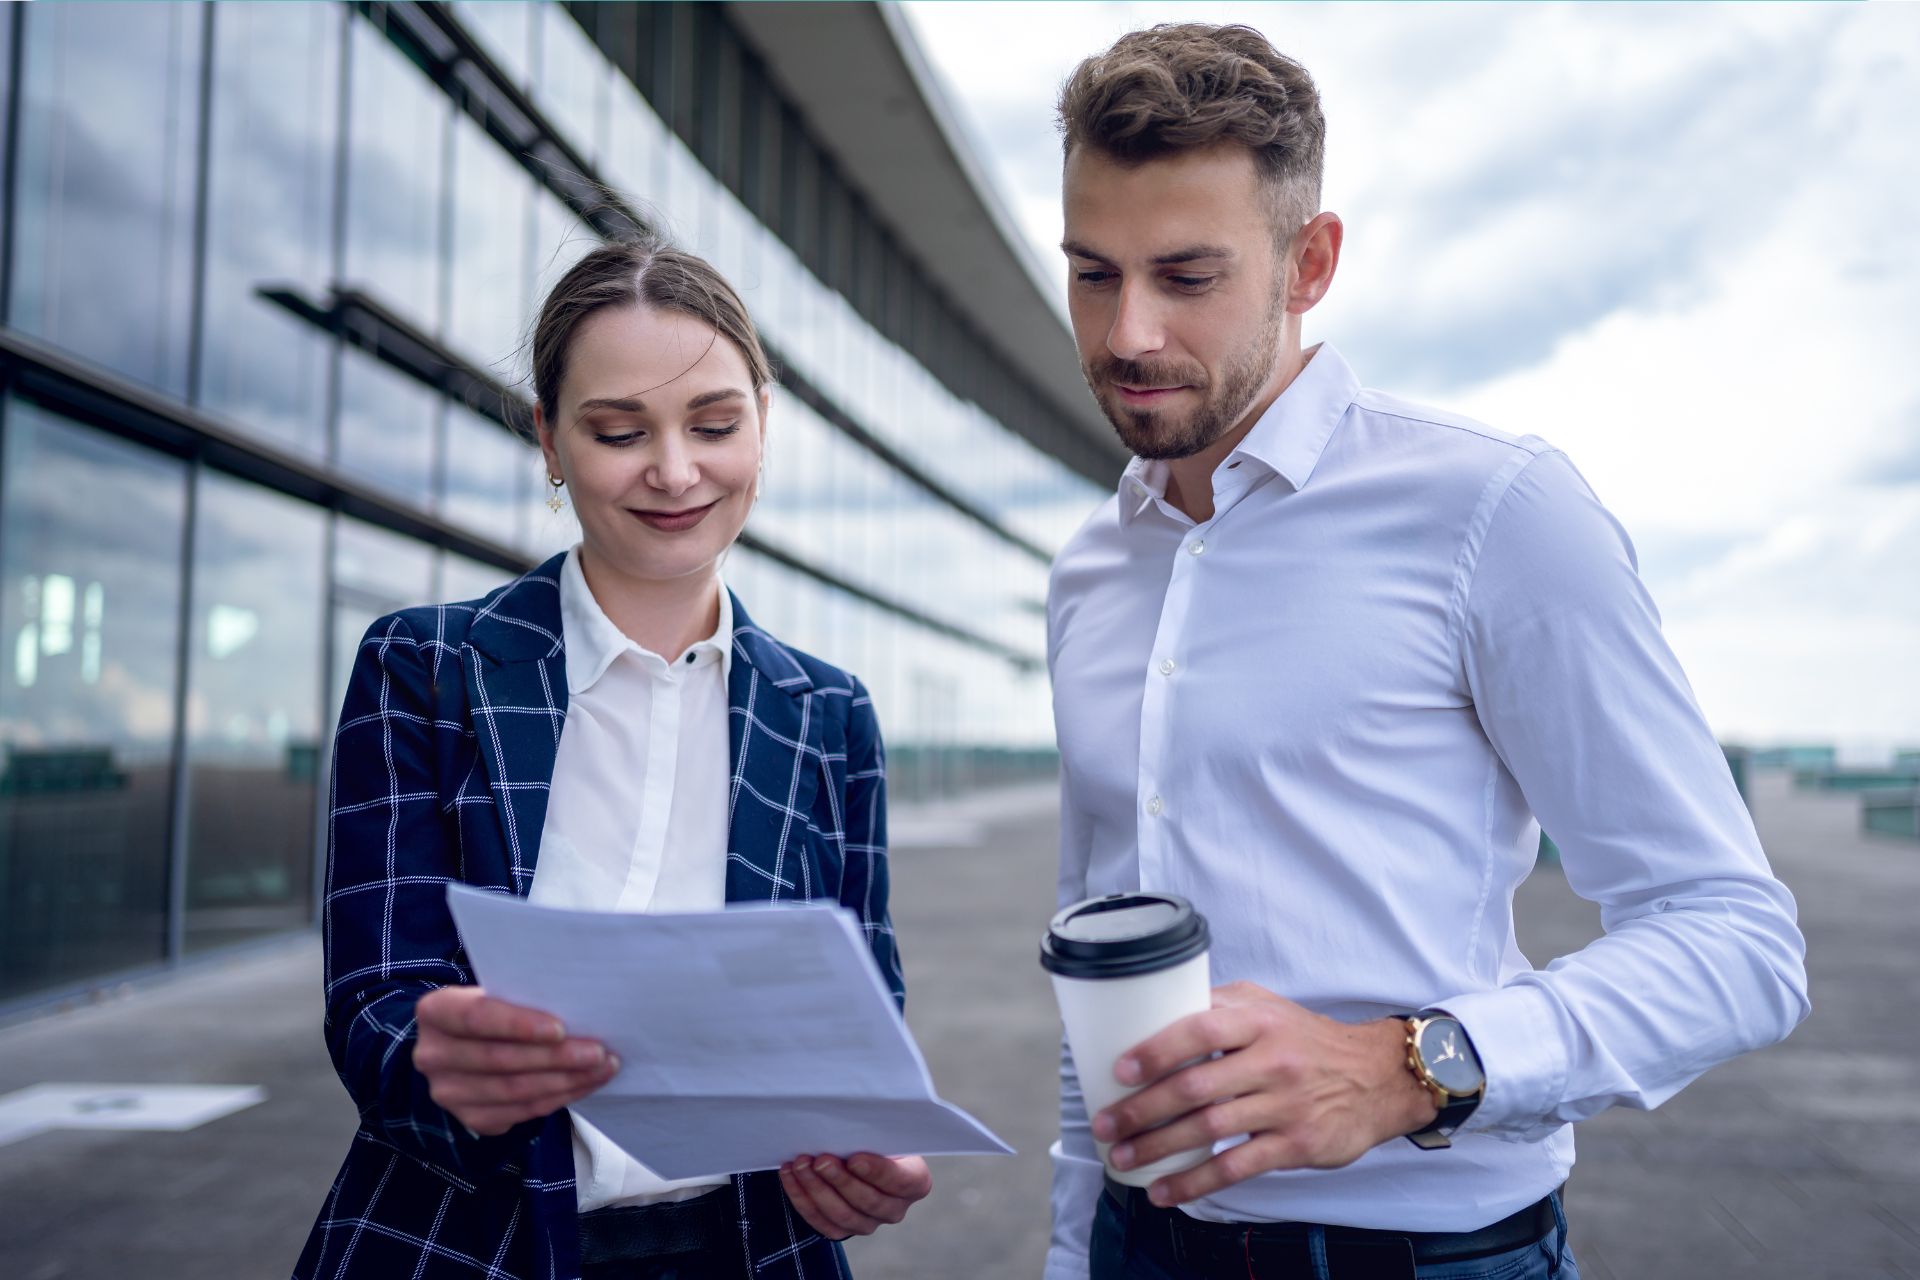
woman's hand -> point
(853, 1197)
(494, 1064)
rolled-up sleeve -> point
(1588, 709)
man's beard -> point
(1151, 433)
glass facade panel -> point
(572, 82)
(90, 615)
(375, 572)
(253, 711)
(791, 506)
(492, 200)
(635, 145)
(270, 185)
(386, 427)
(484, 477)
(682, 201)
(465, 579)
(396, 154)
(560, 239)
(103, 210)
(506, 30)
(7, 18)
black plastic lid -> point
(1121, 935)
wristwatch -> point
(1442, 1059)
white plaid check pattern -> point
(442, 763)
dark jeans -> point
(1115, 1257)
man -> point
(1317, 668)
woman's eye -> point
(618, 441)
(718, 433)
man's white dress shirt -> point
(637, 815)
(1329, 715)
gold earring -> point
(554, 501)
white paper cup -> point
(1126, 967)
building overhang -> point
(872, 100)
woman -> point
(610, 731)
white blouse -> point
(637, 814)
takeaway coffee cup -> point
(1125, 967)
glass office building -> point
(267, 272)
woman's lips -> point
(675, 521)
(1140, 397)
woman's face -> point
(658, 435)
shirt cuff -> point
(1516, 1032)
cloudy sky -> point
(1678, 242)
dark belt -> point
(1279, 1249)
(634, 1231)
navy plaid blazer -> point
(441, 768)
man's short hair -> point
(1182, 85)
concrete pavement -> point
(1802, 1161)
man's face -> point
(1176, 291)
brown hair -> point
(1184, 85)
(625, 273)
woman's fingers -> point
(494, 1064)
(802, 1201)
(821, 1204)
(907, 1177)
(471, 1013)
(439, 1052)
(491, 1121)
(491, 1104)
(469, 1089)
(860, 1194)
(856, 1196)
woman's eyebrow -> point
(633, 404)
(621, 404)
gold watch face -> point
(1448, 1058)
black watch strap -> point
(1439, 1133)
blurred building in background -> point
(266, 272)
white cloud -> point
(1674, 240)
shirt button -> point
(1197, 547)
(1139, 491)
(1166, 666)
(1154, 806)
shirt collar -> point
(593, 641)
(1287, 440)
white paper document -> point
(745, 1037)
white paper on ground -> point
(745, 1037)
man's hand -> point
(494, 1064)
(1313, 1093)
(854, 1197)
